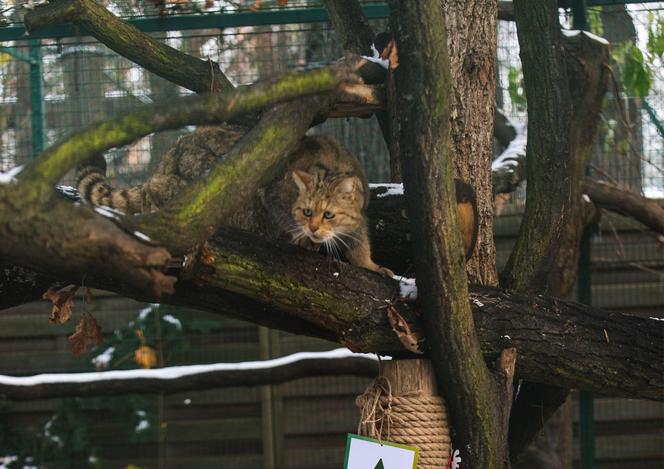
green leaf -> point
(636, 74)
(515, 88)
(655, 43)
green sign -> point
(367, 453)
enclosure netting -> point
(301, 424)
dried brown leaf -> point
(145, 356)
(87, 333)
(63, 303)
(408, 338)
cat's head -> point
(327, 208)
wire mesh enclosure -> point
(53, 86)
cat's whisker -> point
(336, 238)
(351, 236)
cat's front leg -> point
(359, 254)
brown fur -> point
(322, 177)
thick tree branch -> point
(423, 99)
(44, 172)
(200, 76)
(351, 25)
(565, 83)
(548, 153)
(283, 287)
(626, 202)
(176, 379)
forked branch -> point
(200, 76)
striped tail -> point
(94, 189)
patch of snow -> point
(576, 32)
(142, 236)
(407, 287)
(514, 152)
(385, 63)
(47, 433)
(571, 32)
(586, 198)
(102, 360)
(5, 461)
(175, 372)
(187, 401)
(142, 314)
(390, 189)
(477, 302)
(10, 176)
(506, 337)
(656, 319)
(69, 191)
(335, 274)
(173, 320)
(106, 212)
(143, 424)
(653, 192)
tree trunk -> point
(471, 40)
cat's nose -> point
(313, 228)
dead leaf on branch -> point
(87, 333)
(145, 356)
(408, 338)
(63, 303)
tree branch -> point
(423, 87)
(626, 202)
(283, 287)
(351, 25)
(200, 76)
(177, 379)
(44, 172)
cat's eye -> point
(307, 212)
(328, 215)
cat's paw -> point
(385, 271)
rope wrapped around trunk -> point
(412, 419)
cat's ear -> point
(349, 185)
(302, 179)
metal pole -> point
(36, 97)
(586, 403)
(579, 19)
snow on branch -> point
(173, 379)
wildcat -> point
(320, 200)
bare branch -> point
(626, 202)
(172, 380)
(200, 76)
(351, 25)
(280, 286)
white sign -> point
(367, 453)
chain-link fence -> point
(300, 424)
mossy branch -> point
(423, 88)
(281, 286)
(200, 76)
(44, 172)
(204, 206)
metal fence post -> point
(36, 97)
(586, 402)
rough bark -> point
(108, 384)
(351, 25)
(472, 395)
(565, 82)
(471, 41)
(283, 287)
